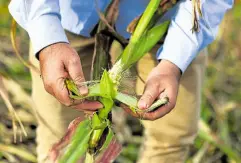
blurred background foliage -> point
(219, 139)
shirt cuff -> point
(181, 45)
(44, 31)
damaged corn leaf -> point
(110, 149)
(78, 144)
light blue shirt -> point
(45, 21)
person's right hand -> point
(57, 62)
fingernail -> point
(98, 105)
(142, 105)
(83, 90)
(95, 104)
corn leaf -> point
(154, 35)
(135, 51)
(145, 20)
(79, 143)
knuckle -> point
(148, 96)
(152, 84)
(74, 60)
(79, 79)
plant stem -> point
(145, 20)
(89, 158)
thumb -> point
(75, 71)
(151, 92)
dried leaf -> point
(13, 40)
(111, 152)
(132, 26)
(19, 152)
(15, 117)
(63, 142)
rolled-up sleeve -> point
(41, 19)
(181, 44)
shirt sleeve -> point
(41, 19)
(181, 44)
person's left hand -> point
(162, 81)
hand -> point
(162, 81)
(60, 61)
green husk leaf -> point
(96, 134)
(108, 104)
(108, 91)
(129, 100)
(107, 86)
(73, 89)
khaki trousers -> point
(166, 140)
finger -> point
(53, 79)
(74, 68)
(88, 106)
(151, 92)
(160, 112)
(61, 92)
(129, 111)
(165, 109)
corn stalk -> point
(93, 136)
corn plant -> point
(88, 138)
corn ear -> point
(96, 134)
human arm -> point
(180, 47)
(42, 20)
